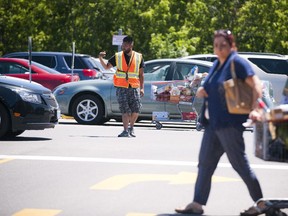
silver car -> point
(94, 101)
(274, 68)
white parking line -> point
(132, 161)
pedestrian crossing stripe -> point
(37, 212)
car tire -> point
(4, 121)
(88, 110)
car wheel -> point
(4, 121)
(89, 110)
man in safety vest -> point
(129, 81)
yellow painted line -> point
(120, 181)
(66, 117)
(37, 212)
(5, 160)
(140, 214)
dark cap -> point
(128, 39)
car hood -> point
(17, 82)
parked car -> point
(24, 106)
(47, 77)
(94, 101)
(84, 66)
(274, 68)
(106, 74)
(269, 62)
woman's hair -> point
(227, 34)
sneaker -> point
(131, 132)
(124, 134)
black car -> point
(24, 106)
(84, 65)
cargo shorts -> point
(129, 100)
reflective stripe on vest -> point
(120, 76)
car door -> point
(14, 69)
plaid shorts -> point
(129, 100)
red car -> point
(46, 76)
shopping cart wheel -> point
(158, 125)
(199, 126)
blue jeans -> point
(214, 143)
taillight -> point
(89, 72)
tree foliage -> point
(160, 28)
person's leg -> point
(134, 101)
(133, 119)
(125, 120)
(235, 150)
(122, 98)
(209, 156)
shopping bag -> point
(238, 94)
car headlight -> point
(29, 97)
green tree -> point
(266, 30)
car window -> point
(158, 74)
(48, 69)
(12, 68)
(273, 66)
(80, 62)
(151, 67)
(172, 71)
(49, 61)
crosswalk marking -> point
(37, 212)
(134, 161)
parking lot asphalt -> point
(80, 170)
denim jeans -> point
(214, 143)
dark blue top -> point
(219, 117)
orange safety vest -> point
(126, 75)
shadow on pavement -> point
(19, 138)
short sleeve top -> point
(219, 117)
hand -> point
(201, 92)
(102, 54)
(141, 92)
(256, 115)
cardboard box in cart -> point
(271, 136)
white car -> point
(274, 68)
(107, 74)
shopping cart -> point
(182, 93)
(271, 144)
